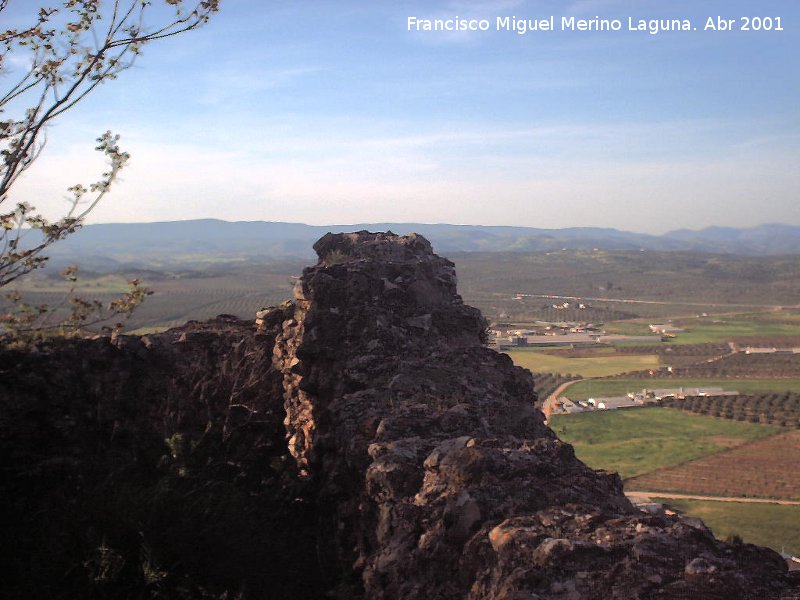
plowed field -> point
(764, 468)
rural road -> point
(547, 405)
(670, 496)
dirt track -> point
(671, 496)
(548, 404)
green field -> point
(702, 330)
(598, 388)
(772, 525)
(718, 328)
(596, 366)
(637, 441)
(637, 327)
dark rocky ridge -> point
(156, 468)
(361, 441)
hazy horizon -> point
(320, 113)
(435, 223)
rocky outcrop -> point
(359, 442)
(436, 476)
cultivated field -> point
(640, 440)
(748, 328)
(177, 297)
(671, 283)
(176, 301)
(654, 449)
(773, 409)
(772, 327)
(677, 355)
(764, 468)
(586, 366)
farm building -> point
(662, 329)
(683, 392)
(558, 340)
(753, 350)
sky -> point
(327, 112)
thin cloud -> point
(238, 81)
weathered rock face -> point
(360, 441)
(436, 477)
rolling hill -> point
(107, 247)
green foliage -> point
(23, 323)
(68, 51)
(16, 259)
(781, 409)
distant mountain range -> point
(108, 246)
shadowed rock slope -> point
(360, 442)
(156, 468)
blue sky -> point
(333, 112)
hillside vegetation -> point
(167, 242)
(624, 285)
(661, 277)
